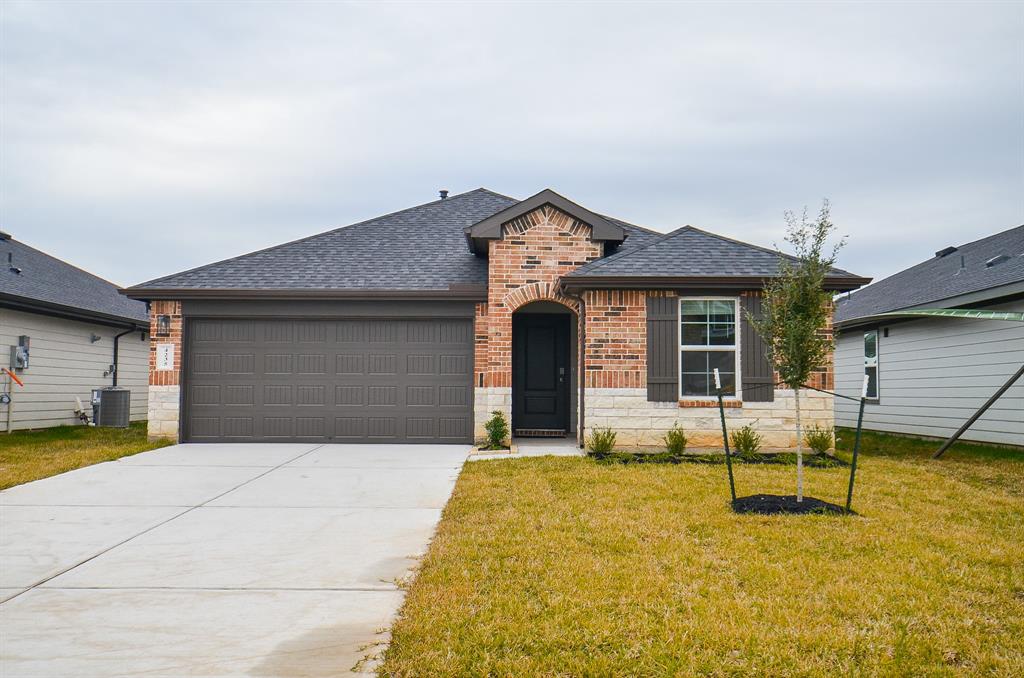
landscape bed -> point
(566, 566)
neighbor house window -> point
(871, 362)
(708, 336)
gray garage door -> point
(352, 380)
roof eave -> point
(69, 312)
(453, 293)
(989, 295)
(582, 282)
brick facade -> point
(164, 385)
(173, 310)
(616, 338)
(524, 266)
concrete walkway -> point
(216, 560)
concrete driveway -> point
(216, 560)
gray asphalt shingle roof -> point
(424, 248)
(46, 280)
(420, 248)
(940, 278)
(690, 252)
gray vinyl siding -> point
(64, 364)
(934, 373)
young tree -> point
(796, 311)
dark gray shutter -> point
(756, 374)
(662, 349)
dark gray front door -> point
(326, 380)
(540, 372)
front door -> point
(540, 374)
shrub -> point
(675, 439)
(601, 441)
(746, 441)
(819, 438)
(497, 430)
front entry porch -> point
(543, 374)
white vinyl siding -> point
(934, 373)
(63, 363)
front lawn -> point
(31, 455)
(568, 567)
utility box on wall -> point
(19, 353)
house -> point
(928, 375)
(64, 332)
(415, 326)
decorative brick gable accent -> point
(524, 266)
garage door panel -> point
(327, 380)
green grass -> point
(31, 455)
(570, 567)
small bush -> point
(819, 438)
(746, 441)
(601, 441)
(675, 440)
(497, 430)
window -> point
(707, 339)
(871, 362)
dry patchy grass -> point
(567, 567)
(31, 455)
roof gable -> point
(490, 228)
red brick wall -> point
(173, 309)
(616, 339)
(524, 266)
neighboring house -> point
(415, 326)
(929, 375)
(78, 334)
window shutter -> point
(662, 349)
(756, 374)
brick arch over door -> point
(540, 291)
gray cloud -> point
(141, 139)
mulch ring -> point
(769, 504)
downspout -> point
(117, 337)
(582, 378)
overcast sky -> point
(140, 139)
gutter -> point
(637, 282)
(453, 293)
(68, 312)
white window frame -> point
(877, 366)
(735, 348)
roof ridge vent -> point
(945, 251)
(996, 260)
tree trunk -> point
(799, 450)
